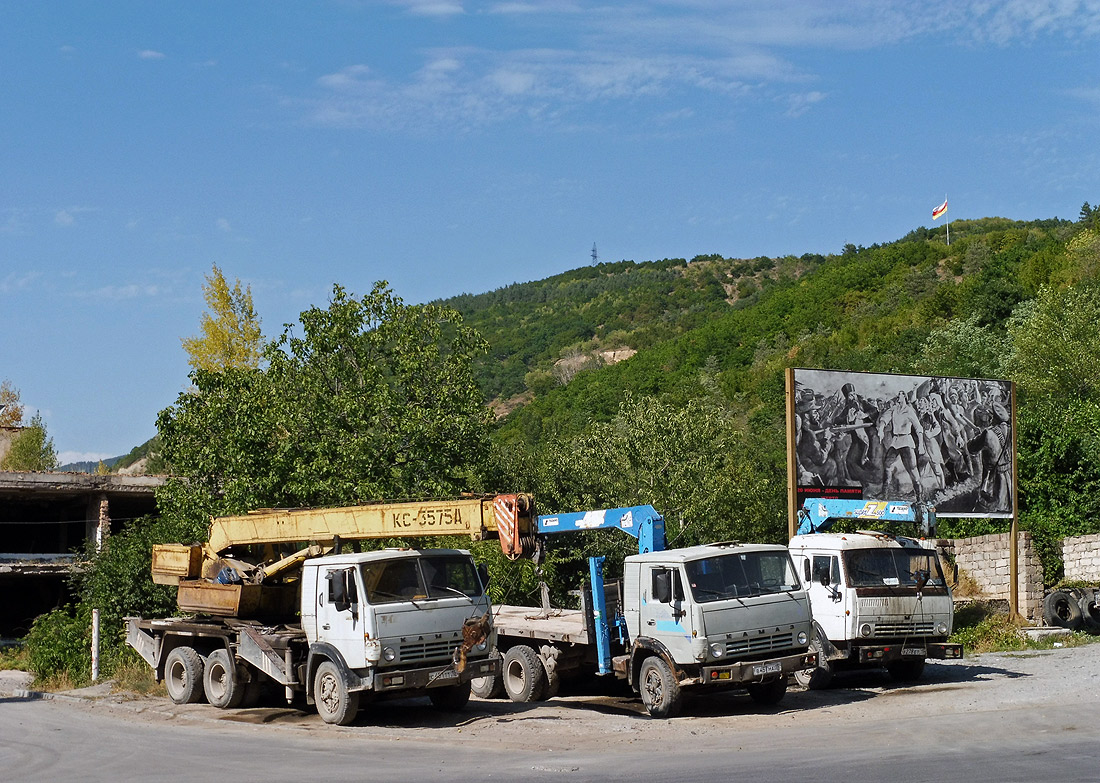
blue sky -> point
(453, 146)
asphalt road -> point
(1022, 717)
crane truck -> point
(335, 628)
(726, 615)
(879, 600)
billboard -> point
(945, 441)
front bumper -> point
(883, 653)
(756, 671)
(433, 676)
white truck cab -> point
(878, 600)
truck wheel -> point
(1061, 610)
(1090, 613)
(523, 674)
(335, 704)
(659, 688)
(223, 687)
(906, 669)
(183, 675)
(487, 687)
(768, 693)
(450, 698)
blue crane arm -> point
(820, 514)
(642, 522)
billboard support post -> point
(792, 473)
(1014, 545)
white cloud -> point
(611, 53)
(17, 281)
(64, 218)
(800, 103)
(150, 54)
(223, 226)
(437, 8)
(114, 293)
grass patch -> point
(980, 627)
(134, 675)
(14, 656)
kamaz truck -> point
(333, 628)
(879, 600)
(719, 616)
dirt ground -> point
(989, 682)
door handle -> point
(650, 622)
(325, 626)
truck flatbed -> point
(560, 625)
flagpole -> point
(948, 210)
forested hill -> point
(693, 421)
(554, 340)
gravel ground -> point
(949, 691)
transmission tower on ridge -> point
(595, 257)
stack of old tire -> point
(1076, 609)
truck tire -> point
(183, 669)
(1090, 613)
(768, 693)
(335, 703)
(488, 687)
(549, 655)
(220, 681)
(659, 688)
(906, 669)
(450, 698)
(1061, 610)
(818, 677)
(523, 674)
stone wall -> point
(983, 565)
(1081, 556)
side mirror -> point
(662, 586)
(823, 577)
(806, 570)
(341, 590)
(483, 575)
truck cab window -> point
(387, 581)
(448, 576)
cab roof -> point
(690, 553)
(863, 539)
(351, 558)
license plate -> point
(447, 674)
(913, 651)
(767, 668)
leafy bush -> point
(59, 645)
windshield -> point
(738, 575)
(420, 578)
(892, 568)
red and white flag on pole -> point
(938, 211)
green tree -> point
(11, 409)
(31, 449)
(375, 399)
(231, 335)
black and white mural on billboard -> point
(944, 441)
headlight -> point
(941, 629)
(802, 637)
(866, 629)
(717, 650)
(389, 654)
(483, 646)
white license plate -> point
(913, 651)
(767, 668)
(446, 674)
